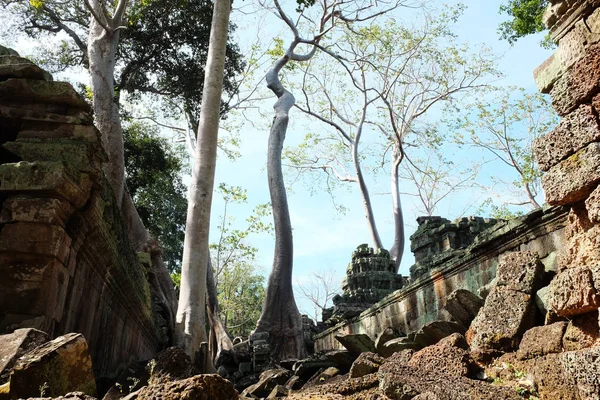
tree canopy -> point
(525, 19)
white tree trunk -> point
(190, 320)
(397, 249)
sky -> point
(324, 239)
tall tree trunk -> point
(102, 49)
(190, 330)
(280, 316)
(218, 338)
(397, 249)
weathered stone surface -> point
(592, 204)
(454, 340)
(582, 332)
(579, 84)
(46, 119)
(342, 358)
(463, 305)
(398, 345)
(498, 327)
(68, 396)
(7, 51)
(362, 388)
(401, 382)
(307, 368)
(81, 155)
(171, 364)
(356, 343)
(434, 331)
(547, 73)
(63, 365)
(521, 271)
(278, 391)
(583, 370)
(48, 178)
(542, 340)
(582, 250)
(385, 336)
(267, 382)
(41, 239)
(572, 292)
(573, 45)
(574, 178)
(18, 67)
(39, 91)
(573, 133)
(445, 359)
(366, 363)
(44, 210)
(199, 387)
(16, 344)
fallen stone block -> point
(521, 271)
(434, 331)
(267, 382)
(592, 204)
(583, 370)
(463, 306)
(62, 365)
(397, 345)
(171, 364)
(582, 332)
(446, 359)
(199, 387)
(542, 340)
(356, 343)
(366, 363)
(385, 336)
(575, 178)
(572, 292)
(16, 344)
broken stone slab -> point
(356, 343)
(365, 364)
(199, 387)
(63, 365)
(307, 368)
(267, 382)
(582, 250)
(397, 345)
(434, 331)
(498, 327)
(39, 91)
(341, 358)
(572, 292)
(575, 178)
(581, 332)
(446, 359)
(520, 270)
(16, 344)
(48, 178)
(541, 299)
(542, 340)
(385, 336)
(463, 306)
(278, 391)
(12, 66)
(592, 204)
(548, 73)
(573, 133)
(583, 370)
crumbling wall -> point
(452, 267)
(65, 260)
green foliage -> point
(240, 287)
(525, 19)
(153, 169)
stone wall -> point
(65, 260)
(453, 267)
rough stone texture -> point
(583, 370)
(592, 204)
(445, 359)
(498, 327)
(199, 387)
(16, 344)
(404, 382)
(12, 66)
(401, 357)
(572, 292)
(582, 332)
(548, 73)
(385, 336)
(63, 364)
(454, 340)
(573, 179)
(64, 250)
(521, 271)
(171, 364)
(398, 345)
(463, 305)
(363, 388)
(366, 363)
(267, 382)
(420, 302)
(542, 340)
(573, 133)
(357, 343)
(582, 250)
(434, 331)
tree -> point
(190, 319)
(153, 169)
(401, 74)
(319, 290)
(504, 124)
(526, 19)
(280, 316)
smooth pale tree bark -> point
(218, 338)
(397, 249)
(190, 328)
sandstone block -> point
(16, 344)
(25, 113)
(582, 249)
(574, 178)
(199, 387)
(542, 340)
(548, 73)
(572, 292)
(35, 238)
(356, 343)
(446, 359)
(385, 336)
(592, 204)
(434, 331)
(267, 382)
(521, 271)
(398, 345)
(365, 364)
(500, 324)
(44, 210)
(48, 178)
(82, 156)
(50, 132)
(573, 45)
(574, 132)
(38, 91)
(583, 370)
(582, 332)
(64, 364)
(579, 84)
(12, 66)
(463, 306)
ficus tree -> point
(525, 18)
